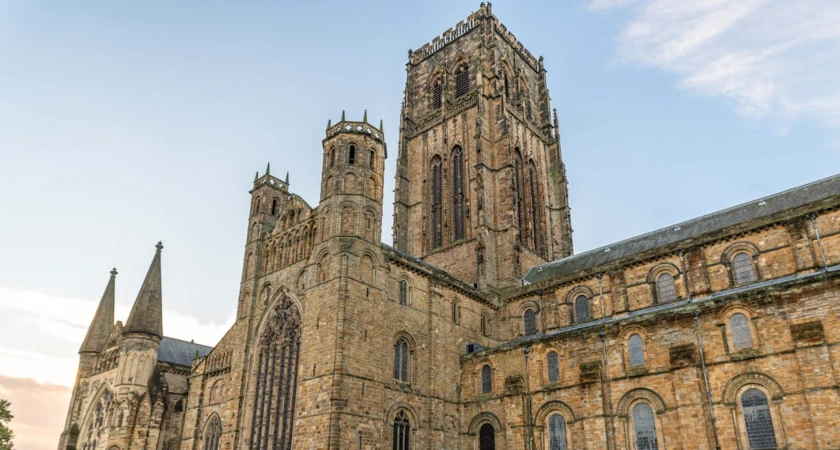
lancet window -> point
(274, 400)
(458, 192)
(436, 203)
(213, 434)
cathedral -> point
(480, 328)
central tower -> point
(481, 189)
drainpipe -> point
(603, 335)
(706, 378)
(813, 218)
(528, 402)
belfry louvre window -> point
(401, 438)
(401, 355)
(581, 308)
(530, 318)
(740, 327)
(486, 380)
(637, 352)
(462, 80)
(553, 363)
(743, 270)
(458, 191)
(437, 93)
(557, 432)
(437, 207)
(666, 291)
(757, 419)
(644, 427)
(276, 385)
(403, 292)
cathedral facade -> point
(480, 329)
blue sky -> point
(122, 123)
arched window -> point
(437, 198)
(402, 429)
(519, 195)
(351, 155)
(462, 80)
(759, 424)
(740, 328)
(458, 192)
(581, 309)
(637, 352)
(483, 325)
(556, 432)
(332, 157)
(536, 209)
(486, 437)
(403, 292)
(644, 427)
(266, 294)
(274, 207)
(255, 208)
(743, 270)
(456, 311)
(401, 356)
(437, 93)
(212, 434)
(486, 380)
(553, 363)
(666, 291)
(276, 379)
(530, 319)
(372, 159)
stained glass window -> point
(757, 418)
(644, 427)
(553, 364)
(557, 432)
(530, 318)
(581, 308)
(401, 433)
(666, 291)
(401, 355)
(637, 353)
(486, 380)
(743, 269)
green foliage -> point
(6, 434)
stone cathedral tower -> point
(481, 186)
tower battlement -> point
(354, 127)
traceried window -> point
(530, 319)
(758, 421)
(519, 195)
(553, 363)
(581, 309)
(557, 432)
(212, 434)
(403, 292)
(486, 437)
(740, 328)
(666, 291)
(742, 268)
(636, 350)
(486, 380)
(351, 155)
(458, 192)
(276, 380)
(536, 209)
(436, 203)
(437, 93)
(644, 427)
(462, 80)
(401, 357)
(401, 438)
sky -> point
(125, 123)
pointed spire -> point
(329, 123)
(103, 320)
(287, 178)
(365, 118)
(380, 126)
(256, 176)
(268, 169)
(146, 314)
(342, 115)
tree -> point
(6, 434)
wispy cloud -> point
(776, 60)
